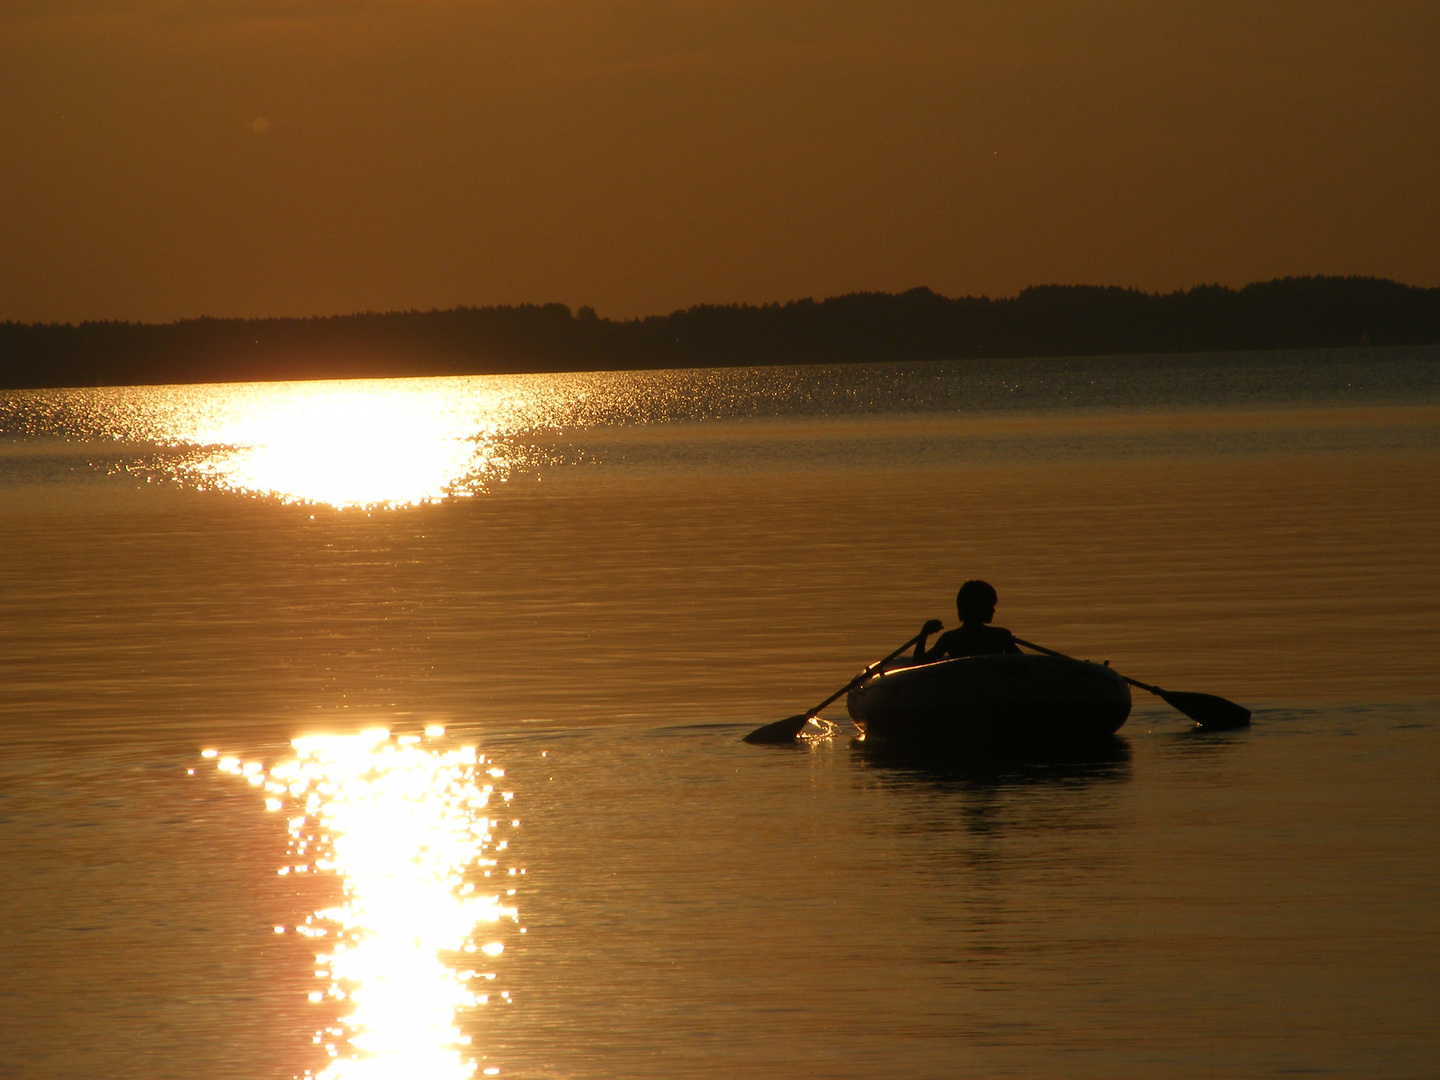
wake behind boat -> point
(1009, 701)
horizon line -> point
(588, 311)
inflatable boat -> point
(1006, 701)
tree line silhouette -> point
(1046, 320)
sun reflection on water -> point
(405, 824)
(372, 443)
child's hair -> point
(975, 598)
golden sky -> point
(162, 159)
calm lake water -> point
(390, 728)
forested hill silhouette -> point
(1048, 320)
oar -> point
(1208, 710)
(783, 731)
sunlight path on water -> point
(346, 444)
(402, 822)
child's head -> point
(976, 601)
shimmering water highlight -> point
(404, 825)
(622, 573)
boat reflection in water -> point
(406, 828)
(1105, 760)
(1005, 803)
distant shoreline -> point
(1287, 313)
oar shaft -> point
(1039, 648)
(864, 675)
(784, 731)
(1062, 656)
(1210, 711)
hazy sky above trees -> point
(162, 159)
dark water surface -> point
(600, 582)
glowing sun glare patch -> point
(401, 822)
(360, 443)
(343, 444)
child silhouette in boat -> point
(973, 637)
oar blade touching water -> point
(781, 731)
(1210, 711)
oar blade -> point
(781, 731)
(1210, 711)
